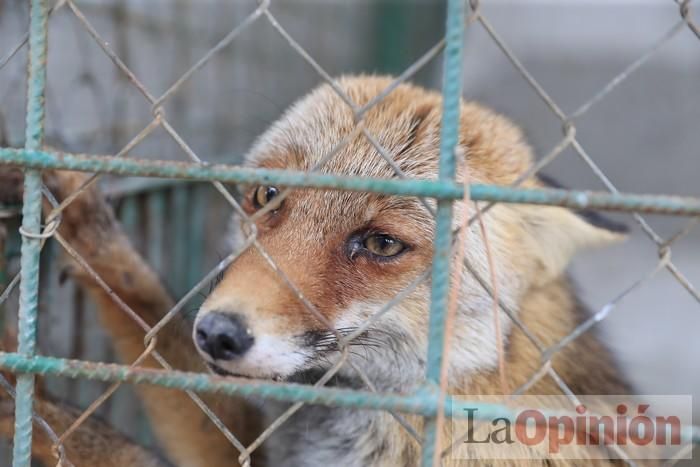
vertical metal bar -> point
(31, 224)
(392, 18)
(440, 281)
(195, 240)
(129, 218)
(179, 260)
(156, 206)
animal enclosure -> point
(193, 168)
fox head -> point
(349, 253)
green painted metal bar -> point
(156, 206)
(419, 403)
(422, 402)
(178, 240)
(129, 218)
(31, 224)
(659, 204)
(196, 234)
(440, 276)
(393, 33)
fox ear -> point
(556, 234)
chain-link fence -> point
(430, 401)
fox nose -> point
(224, 336)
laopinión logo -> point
(597, 427)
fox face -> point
(349, 253)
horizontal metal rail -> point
(423, 402)
(657, 204)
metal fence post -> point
(31, 225)
(440, 281)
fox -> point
(348, 253)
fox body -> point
(347, 254)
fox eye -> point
(383, 245)
(263, 195)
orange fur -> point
(308, 239)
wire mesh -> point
(429, 402)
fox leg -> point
(92, 444)
(186, 434)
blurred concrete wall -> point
(643, 135)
